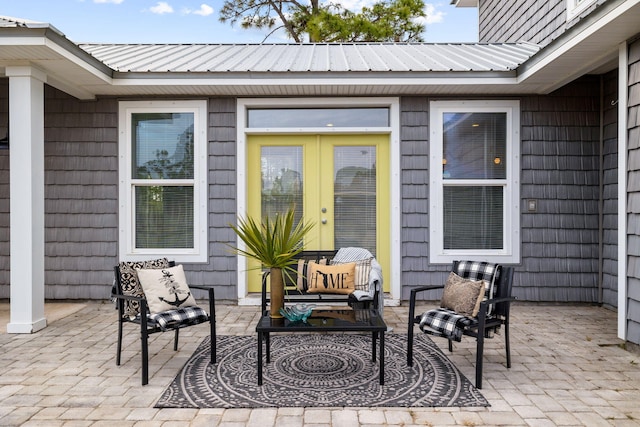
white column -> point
(623, 87)
(26, 157)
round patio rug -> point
(319, 370)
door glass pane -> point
(164, 217)
(474, 146)
(473, 217)
(318, 117)
(281, 174)
(355, 197)
(162, 145)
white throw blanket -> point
(375, 276)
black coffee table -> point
(329, 320)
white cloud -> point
(161, 8)
(108, 1)
(357, 5)
(434, 16)
(205, 10)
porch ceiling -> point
(88, 71)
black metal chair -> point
(131, 303)
(493, 313)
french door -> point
(338, 182)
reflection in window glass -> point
(162, 145)
(474, 146)
(281, 180)
(318, 117)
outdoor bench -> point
(298, 294)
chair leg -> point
(175, 341)
(479, 351)
(506, 343)
(145, 355)
(119, 346)
(212, 325)
(450, 346)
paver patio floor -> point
(568, 369)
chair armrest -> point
(412, 299)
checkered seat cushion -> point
(451, 324)
(446, 322)
(179, 318)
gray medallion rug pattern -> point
(319, 370)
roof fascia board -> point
(469, 79)
(573, 37)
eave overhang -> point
(590, 46)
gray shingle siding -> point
(633, 188)
(4, 192)
(610, 190)
(534, 21)
(560, 135)
(560, 168)
(81, 197)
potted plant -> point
(274, 243)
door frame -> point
(393, 130)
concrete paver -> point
(568, 369)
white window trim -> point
(126, 207)
(511, 251)
(576, 7)
(393, 130)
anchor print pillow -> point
(166, 289)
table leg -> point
(374, 337)
(267, 342)
(259, 358)
(381, 358)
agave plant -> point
(275, 242)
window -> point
(474, 186)
(575, 7)
(163, 175)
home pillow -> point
(165, 289)
(130, 284)
(303, 273)
(462, 295)
(363, 272)
(331, 279)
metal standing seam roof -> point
(292, 58)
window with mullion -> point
(164, 174)
(474, 185)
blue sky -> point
(194, 21)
